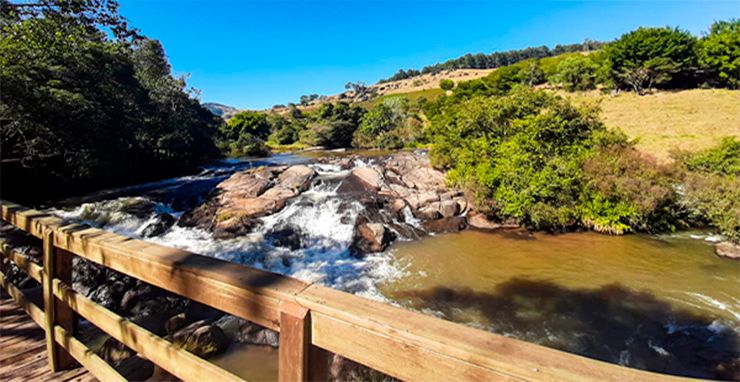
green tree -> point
(82, 108)
(380, 120)
(446, 84)
(247, 123)
(653, 57)
(719, 54)
(577, 72)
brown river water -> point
(661, 303)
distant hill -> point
(220, 110)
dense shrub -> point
(711, 189)
(286, 134)
(246, 145)
(629, 190)
(577, 72)
(247, 123)
(534, 157)
(723, 159)
(714, 200)
(389, 124)
(331, 134)
(446, 84)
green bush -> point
(534, 157)
(711, 191)
(286, 135)
(723, 159)
(245, 145)
(629, 190)
(446, 84)
(714, 200)
(246, 123)
(577, 72)
(383, 118)
(331, 134)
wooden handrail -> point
(311, 319)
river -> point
(663, 303)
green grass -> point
(429, 94)
(275, 147)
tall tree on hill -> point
(719, 54)
(653, 57)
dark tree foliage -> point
(87, 103)
(653, 57)
(719, 54)
(496, 59)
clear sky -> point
(254, 54)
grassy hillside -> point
(688, 120)
(413, 96)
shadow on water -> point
(611, 323)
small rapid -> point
(308, 239)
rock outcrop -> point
(234, 205)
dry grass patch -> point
(665, 121)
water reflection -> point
(610, 323)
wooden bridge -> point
(313, 321)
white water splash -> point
(324, 221)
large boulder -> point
(232, 208)
(371, 176)
(371, 237)
(450, 224)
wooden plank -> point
(175, 360)
(86, 357)
(294, 343)
(409, 345)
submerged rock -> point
(201, 338)
(482, 222)
(727, 250)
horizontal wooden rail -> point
(404, 344)
(23, 261)
(87, 358)
(175, 360)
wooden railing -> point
(313, 321)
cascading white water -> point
(321, 220)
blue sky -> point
(254, 54)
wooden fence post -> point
(295, 339)
(57, 264)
